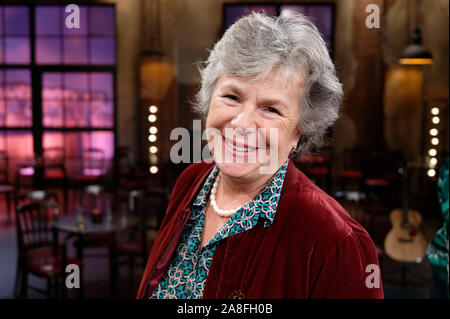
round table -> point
(81, 225)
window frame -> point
(37, 128)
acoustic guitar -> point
(404, 242)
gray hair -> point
(256, 44)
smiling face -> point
(252, 109)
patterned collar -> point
(264, 204)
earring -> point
(293, 152)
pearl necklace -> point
(220, 212)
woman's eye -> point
(272, 110)
(232, 97)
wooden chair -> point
(39, 252)
(6, 188)
(130, 177)
(92, 170)
(54, 171)
(133, 251)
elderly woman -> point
(234, 231)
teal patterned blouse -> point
(188, 269)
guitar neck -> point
(405, 220)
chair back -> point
(3, 167)
(34, 196)
(124, 160)
(93, 197)
(34, 223)
(54, 157)
(93, 162)
(150, 206)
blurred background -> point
(86, 115)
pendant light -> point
(415, 53)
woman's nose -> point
(244, 120)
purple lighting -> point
(92, 43)
(16, 20)
(234, 12)
(81, 100)
(76, 99)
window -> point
(56, 83)
(322, 14)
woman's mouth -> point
(243, 148)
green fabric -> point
(437, 251)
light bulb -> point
(153, 149)
(153, 169)
(153, 129)
(435, 111)
(435, 120)
(433, 161)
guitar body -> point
(405, 243)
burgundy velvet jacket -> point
(313, 249)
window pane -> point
(18, 146)
(234, 12)
(52, 94)
(102, 107)
(52, 139)
(18, 113)
(75, 50)
(18, 84)
(102, 85)
(48, 50)
(52, 113)
(102, 21)
(76, 114)
(48, 20)
(2, 112)
(82, 30)
(16, 100)
(1, 20)
(75, 142)
(2, 58)
(52, 86)
(104, 141)
(321, 15)
(17, 50)
(287, 10)
(16, 20)
(76, 86)
(76, 97)
(323, 18)
(102, 113)
(2, 99)
(102, 51)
